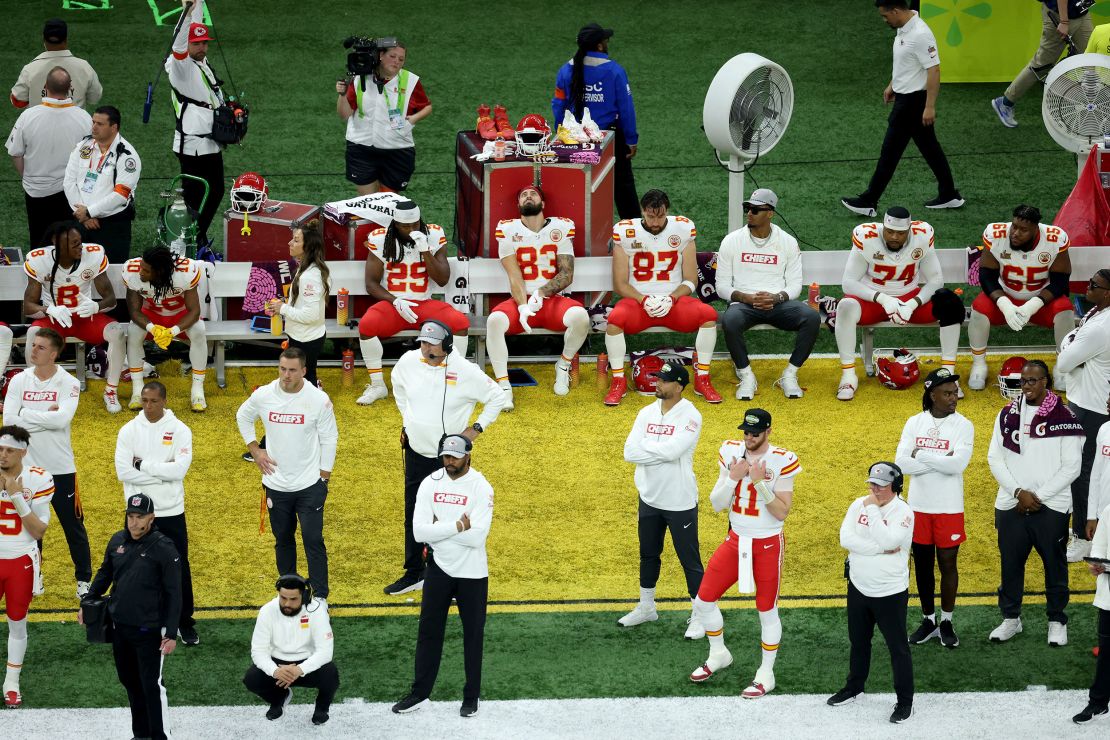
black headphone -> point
(467, 444)
(448, 344)
(899, 479)
(294, 580)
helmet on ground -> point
(896, 369)
(1009, 378)
(249, 192)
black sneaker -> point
(319, 717)
(469, 708)
(927, 631)
(189, 636)
(276, 710)
(844, 696)
(404, 584)
(410, 703)
(858, 205)
(948, 636)
(942, 201)
(901, 713)
(1090, 713)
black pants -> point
(324, 679)
(1092, 421)
(42, 212)
(1046, 532)
(72, 520)
(210, 168)
(652, 526)
(312, 354)
(306, 506)
(624, 182)
(470, 595)
(417, 468)
(789, 316)
(903, 125)
(138, 655)
(889, 613)
(175, 528)
(1100, 688)
(114, 235)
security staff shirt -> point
(915, 52)
(43, 136)
(30, 88)
(145, 577)
(608, 95)
(104, 181)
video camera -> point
(362, 59)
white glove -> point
(61, 315)
(535, 302)
(403, 306)
(526, 313)
(1030, 307)
(420, 239)
(87, 307)
(658, 306)
(19, 503)
(890, 304)
(1013, 319)
(905, 311)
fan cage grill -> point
(757, 111)
(1077, 103)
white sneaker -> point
(1057, 634)
(763, 684)
(713, 664)
(573, 127)
(977, 380)
(747, 388)
(959, 391)
(1078, 548)
(639, 615)
(1006, 630)
(789, 384)
(508, 388)
(82, 589)
(1005, 113)
(372, 392)
(849, 382)
(196, 400)
(591, 129)
(562, 379)
(695, 630)
(111, 402)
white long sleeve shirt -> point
(103, 181)
(1100, 548)
(1046, 467)
(662, 445)
(194, 80)
(305, 320)
(1098, 495)
(438, 400)
(440, 502)
(877, 539)
(28, 405)
(165, 448)
(748, 265)
(301, 434)
(1086, 361)
(306, 636)
(943, 453)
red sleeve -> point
(17, 102)
(418, 101)
(352, 99)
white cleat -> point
(977, 380)
(789, 385)
(562, 380)
(747, 388)
(695, 630)
(591, 129)
(509, 406)
(1078, 549)
(135, 403)
(1006, 630)
(1057, 634)
(714, 664)
(111, 402)
(371, 393)
(959, 391)
(639, 615)
(846, 391)
(197, 402)
(763, 684)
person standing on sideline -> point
(1099, 42)
(1035, 454)
(935, 449)
(39, 145)
(153, 454)
(661, 445)
(436, 389)
(1062, 21)
(308, 295)
(591, 80)
(1098, 699)
(1099, 491)
(43, 399)
(143, 569)
(301, 438)
(876, 532)
(759, 274)
(453, 515)
(85, 86)
(292, 645)
(914, 87)
(1084, 359)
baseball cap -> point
(756, 421)
(455, 445)
(897, 218)
(406, 212)
(139, 503)
(55, 31)
(940, 376)
(432, 333)
(198, 32)
(882, 474)
(673, 372)
(762, 197)
(593, 34)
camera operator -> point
(381, 102)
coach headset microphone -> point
(897, 482)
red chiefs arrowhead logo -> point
(198, 31)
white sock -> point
(714, 622)
(5, 347)
(931, 617)
(616, 348)
(705, 341)
(135, 357)
(949, 342)
(116, 336)
(945, 616)
(198, 348)
(372, 351)
(770, 635)
(848, 313)
(577, 323)
(496, 347)
(978, 332)
(647, 597)
(17, 648)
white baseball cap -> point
(762, 197)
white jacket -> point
(1046, 466)
(165, 448)
(878, 543)
(285, 638)
(1100, 548)
(1085, 358)
(305, 321)
(440, 502)
(662, 447)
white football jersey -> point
(409, 277)
(748, 515)
(654, 260)
(535, 251)
(64, 287)
(889, 272)
(186, 277)
(38, 489)
(1024, 274)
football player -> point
(883, 280)
(68, 271)
(24, 515)
(404, 260)
(163, 303)
(537, 253)
(655, 273)
(756, 485)
(1024, 268)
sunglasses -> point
(1092, 285)
(750, 208)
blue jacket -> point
(1076, 8)
(608, 95)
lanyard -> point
(103, 157)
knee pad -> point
(497, 323)
(948, 308)
(576, 316)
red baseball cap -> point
(198, 32)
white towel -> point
(745, 577)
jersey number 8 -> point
(644, 264)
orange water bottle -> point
(277, 325)
(602, 371)
(342, 307)
(574, 371)
(348, 367)
(814, 290)
(499, 148)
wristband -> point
(175, 330)
(689, 284)
(20, 504)
(765, 492)
(150, 327)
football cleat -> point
(573, 127)
(485, 126)
(1006, 630)
(373, 392)
(591, 129)
(618, 388)
(564, 136)
(1057, 634)
(712, 666)
(849, 382)
(197, 402)
(111, 402)
(562, 379)
(703, 386)
(12, 698)
(135, 403)
(508, 388)
(763, 684)
(977, 380)
(501, 122)
(639, 615)
(695, 630)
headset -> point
(294, 580)
(467, 444)
(899, 479)
(448, 344)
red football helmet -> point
(533, 136)
(6, 379)
(249, 192)
(643, 373)
(1009, 378)
(896, 369)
